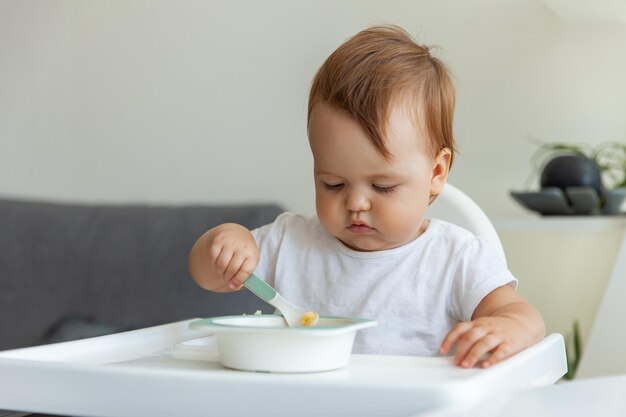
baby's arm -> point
(223, 257)
(502, 325)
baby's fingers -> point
(476, 351)
(502, 352)
(223, 258)
(453, 336)
(246, 269)
(234, 265)
(466, 343)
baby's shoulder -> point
(292, 233)
(292, 224)
(450, 233)
(453, 240)
(289, 220)
(461, 243)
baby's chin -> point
(376, 243)
(367, 246)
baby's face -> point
(366, 201)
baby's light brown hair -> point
(376, 67)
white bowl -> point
(265, 343)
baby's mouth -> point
(359, 228)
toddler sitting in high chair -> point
(380, 131)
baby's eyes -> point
(377, 188)
(333, 187)
(383, 188)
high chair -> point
(165, 370)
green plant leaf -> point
(573, 350)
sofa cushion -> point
(122, 267)
(76, 327)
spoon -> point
(294, 315)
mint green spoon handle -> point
(294, 315)
(261, 288)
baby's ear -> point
(440, 171)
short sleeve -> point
(268, 239)
(479, 271)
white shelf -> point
(559, 223)
(587, 242)
(604, 353)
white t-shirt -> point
(416, 292)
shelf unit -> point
(586, 280)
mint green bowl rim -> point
(212, 323)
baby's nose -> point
(357, 201)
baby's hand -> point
(503, 324)
(233, 253)
(491, 336)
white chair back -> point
(454, 206)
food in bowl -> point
(265, 343)
(310, 318)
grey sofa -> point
(69, 271)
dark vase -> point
(565, 171)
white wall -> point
(205, 101)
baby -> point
(380, 130)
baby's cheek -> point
(404, 225)
(327, 212)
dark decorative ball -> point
(565, 171)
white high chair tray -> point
(154, 372)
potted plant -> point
(610, 159)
